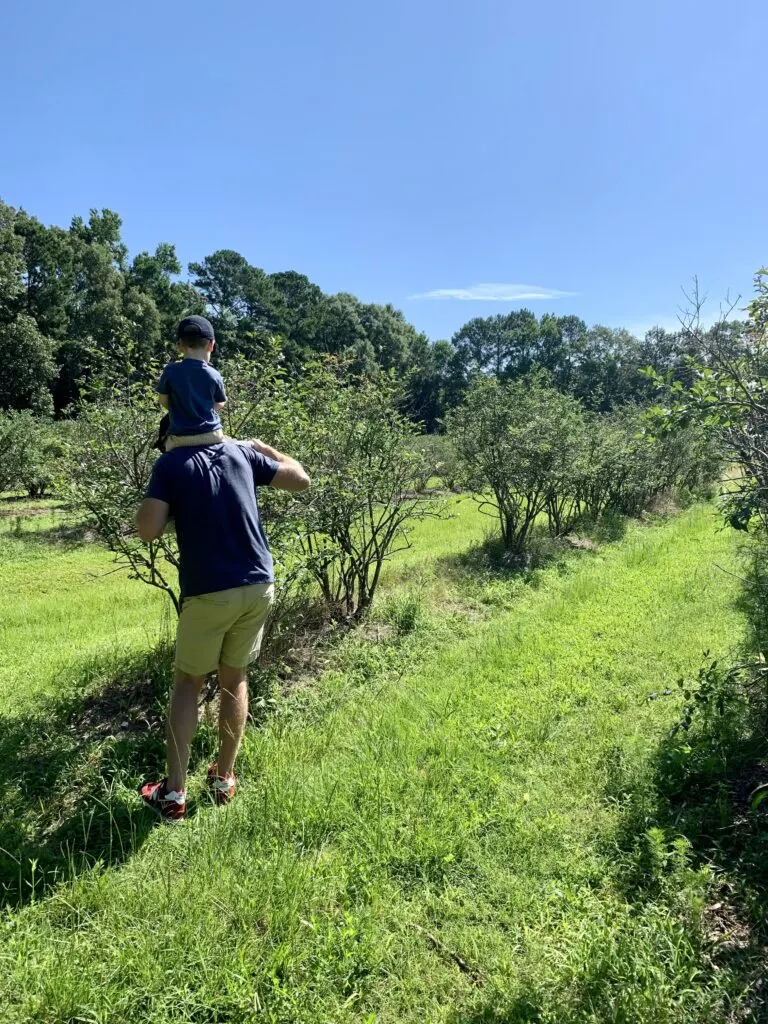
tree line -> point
(536, 461)
(75, 306)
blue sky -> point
(593, 154)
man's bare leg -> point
(233, 715)
(181, 727)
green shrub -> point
(519, 445)
(31, 449)
(359, 451)
(435, 459)
(105, 473)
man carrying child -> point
(208, 486)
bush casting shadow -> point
(491, 559)
(522, 1011)
(62, 536)
(702, 776)
(69, 771)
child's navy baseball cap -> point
(195, 328)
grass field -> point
(438, 830)
(61, 604)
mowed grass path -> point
(435, 844)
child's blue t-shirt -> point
(193, 387)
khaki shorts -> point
(222, 628)
(193, 440)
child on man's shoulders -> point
(191, 390)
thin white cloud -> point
(494, 293)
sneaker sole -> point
(163, 817)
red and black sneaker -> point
(222, 787)
(171, 806)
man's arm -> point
(164, 400)
(152, 518)
(291, 475)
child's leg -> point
(193, 440)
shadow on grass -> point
(490, 560)
(521, 1011)
(70, 769)
(64, 536)
(700, 787)
(26, 500)
(69, 772)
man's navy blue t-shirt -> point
(193, 387)
(211, 492)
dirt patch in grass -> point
(10, 513)
(582, 543)
(375, 632)
(666, 504)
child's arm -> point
(163, 389)
(219, 394)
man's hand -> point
(291, 475)
(265, 449)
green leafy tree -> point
(48, 255)
(31, 452)
(15, 449)
(11, 265)
(153, 275)
(435, 382)
(242, 301)
(108, 464)
(335, 326)
(298, 299)
(27, 366)
(569, 466)
(115, 328)
(358, 449)
(391, 337)
(514, 442)
(728, 395)
(436, 461)
(504, 346)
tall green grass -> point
(61, 604)
(435, 832)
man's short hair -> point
(195, 331)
